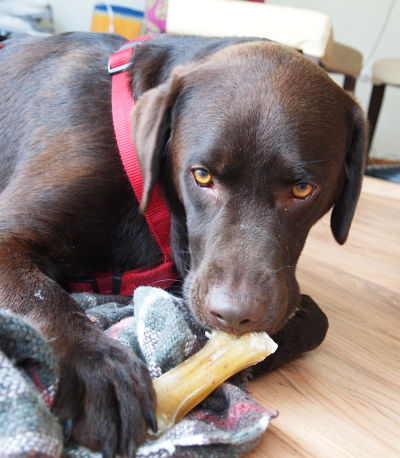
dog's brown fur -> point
(259, 116)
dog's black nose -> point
(233, 312)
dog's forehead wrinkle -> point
(225, 146)
(290, 168)
(245, 223)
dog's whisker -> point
(165, 280)
(282, 268)
(314, 162)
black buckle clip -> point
(116, 284)
(90, 280)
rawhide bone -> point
(186, 385)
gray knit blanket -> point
(158, 328)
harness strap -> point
(162, 276)
(157, 214)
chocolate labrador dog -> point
(250, 142)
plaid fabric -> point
(157, 326)
(28, 380)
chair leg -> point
(349, 83)
(375, 103)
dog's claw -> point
(67, 430)
(106, 452)
(152, 421)
(132, 448)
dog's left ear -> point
(343, 211)
(151, 125)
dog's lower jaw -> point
(292, 306)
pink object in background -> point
(156, 15)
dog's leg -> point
(105, 396)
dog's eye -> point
(203, 177)
(302, 191)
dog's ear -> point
(343, 211)
(151, 126)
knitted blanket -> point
(157, 326)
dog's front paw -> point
(106, 399)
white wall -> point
(356, 23)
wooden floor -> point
(343, 399)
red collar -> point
(157, 214)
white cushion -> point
(344, 59)
(304, 29)
(386, 71)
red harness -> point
(157, 214)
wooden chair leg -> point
(349, 83)
(375, 103)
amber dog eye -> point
(203, 177)
(302, 190)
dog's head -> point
(252, 145)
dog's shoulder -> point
(26, 53)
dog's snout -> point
(232, 312)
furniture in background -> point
(308, 30)
(156, 14)
(346, 61)
(305, 29)
(384, 72)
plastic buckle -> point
(116, 284)
(91, 280)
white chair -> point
(346, 61)
(384, 72)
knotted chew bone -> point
(186, 385)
